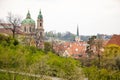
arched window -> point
(40, 24)
(30, 29)
(25, 29)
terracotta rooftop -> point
(115, 39)
(77, 48)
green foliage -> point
(15, 42)
(9, 76)
(112, 51)
(111, 56)
(110, 66)
(47, 47)
(7, 41)
(29, 59)
(117, 60)
(53, 65)
(94, 73)
(63, 67)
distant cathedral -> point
(34, 35)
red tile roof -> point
(115, 39)
(73, 49)
(77, 49)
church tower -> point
(40, 31)
(77, 38)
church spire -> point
(77, 30)
(77, 38)
(40, 15)
(28, 15)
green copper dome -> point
(40, 15)
(28, 19)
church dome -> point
(28, 19)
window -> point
(40, 24)
(25, 29)
(30, 29)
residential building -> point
(75, 49)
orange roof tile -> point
(77, 48)
(115, 39)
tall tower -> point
(77, 38)
(40, 31)
(77, 30)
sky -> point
(92, 16)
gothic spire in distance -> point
(77, 30)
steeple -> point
(77, 38)
(77, 30)
(28, 15)
(40, 15)
(40, 31)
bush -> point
(47, 47)
(7, 41)
(94, 73)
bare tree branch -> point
(13, 22)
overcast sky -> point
(92, 16)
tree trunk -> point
(13, 34)
(14, 27)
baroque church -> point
(34, 35)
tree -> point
(14, 22)
(110, 59)
(99, 46)
(94, 48)
(117, 60)
(47, 47)
(91, 43)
